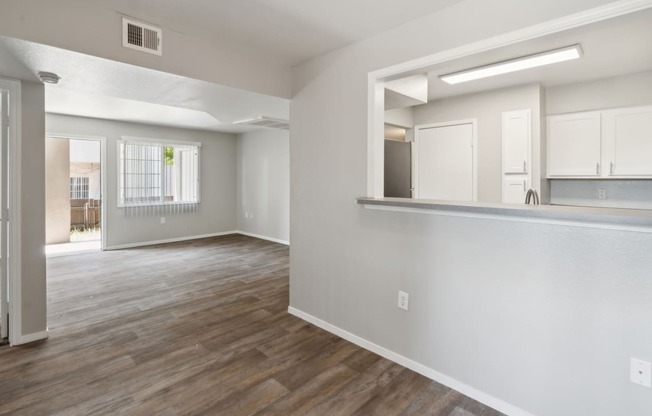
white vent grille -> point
(141, 36)
(264, 121)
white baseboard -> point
(169, 240)
(450, 382)
(36, 336)
(264, 237)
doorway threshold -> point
(65, 249)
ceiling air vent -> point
(141, 36)
(264, 121)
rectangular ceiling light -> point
(518, 64)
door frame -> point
(474, 146)
(103, 168)
(14, 283)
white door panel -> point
(445, 163)
(516, 141)
(574, 144)
(514, 190)
(629, 132)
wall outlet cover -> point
(403, 300)
(640, 372)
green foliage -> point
(168, 153)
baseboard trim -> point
(25, 339)
(169, 240)
(264, 237)
(450, 382)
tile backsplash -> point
(617, 193)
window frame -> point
(76, 189)
(151, 142)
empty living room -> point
(326, 208)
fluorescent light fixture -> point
(518, 64)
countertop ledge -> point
(614, 218)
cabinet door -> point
(574, 147)
(516, 141)
(628, 141)
(514, 191)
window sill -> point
(606, 218)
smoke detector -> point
(48, 77)
(264, 121)
(141, 36)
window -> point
(79, 188)
(157, 172)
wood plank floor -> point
(199, 328)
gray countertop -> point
(606, 217)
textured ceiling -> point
(293, 30)
(290, 30)
(100, 88)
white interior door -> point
(445, 163)
(4, 133)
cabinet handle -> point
(611, 168)
(597, 168)
(524, 166)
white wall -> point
(264, 184)
(32, 212)
(403, 117)
(622, 91)
(487, 107)
(540, 317)
(216, 213)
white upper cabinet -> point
(628, 141)
(574, 145)
(516, 141)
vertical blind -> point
(153, 174)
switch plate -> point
(640, 372)
(403, 299)
(162, 220)
(602, 194)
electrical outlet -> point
(403, 299)
(640, 372)
(162, 220)
(602, 194)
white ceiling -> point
(100, 88)
(289, 30)
(292, 30)
(614, 47)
